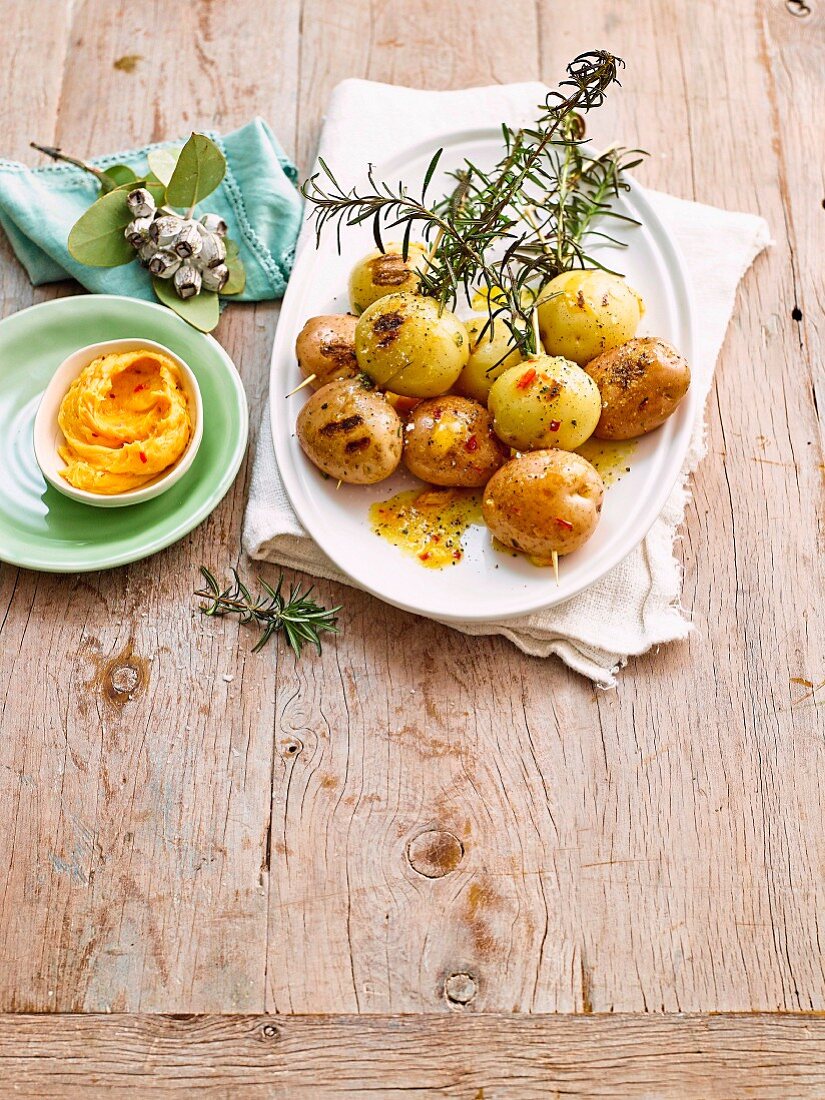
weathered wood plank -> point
(31, 101)
(719, 892)
(137, 759)
(466, 1058)
(392, 732)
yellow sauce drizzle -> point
(612, 460)
(428, 524)
(500, 548)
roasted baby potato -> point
(641, 384)
(405, 344)
(326, 348)
(544, 402)
(491, 353)
(450, 441)
(542, 502)
(381, 273)
(351, 432)
(584, 313)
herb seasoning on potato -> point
(351, 432)
(641, 384)
(450, 441)
(325, 349)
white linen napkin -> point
(636, 605)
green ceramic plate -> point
(42, 529)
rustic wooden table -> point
(420, 823)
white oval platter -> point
(485, 584)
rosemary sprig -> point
(585, 187)
(479, 237)
(300, 618)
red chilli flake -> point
(526, 379)
(424, 556)
(471, 444)
(140, 388)
(566, 524)
(143, 457)
(555, 425)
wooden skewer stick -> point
(306, 382)
(435, 245)
(537, 333)
(555, 557)
(338, 486)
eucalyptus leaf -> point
(162, 163)
(96, 238)
(119, 174)
(201, 312)
(237, 275)
(200, 168)
(231, 247)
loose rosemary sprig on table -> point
(300, 618)
(510, 230)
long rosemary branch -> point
(479, 240)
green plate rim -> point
(223, 486)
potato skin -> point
(351, 432)
(450, 441)
(381, 273)
(406, 345)
(586, 313)
(641, 384)
(326, 348)
(542, 502)
(490, 356)
(544, 402)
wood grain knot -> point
(270, 1031)
(459, 989)
(122, 678)
(291, 747)
(435, 853)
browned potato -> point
(326, 348)
(641, 383)
(351, 432)
(386, 272)
(544, 501)
(450, 441)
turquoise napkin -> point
(257, 199)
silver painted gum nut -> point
(164, 230)
(187, 281)
(146, 251)
(136, 231)
(213, 250)
(214, 223)
(164, 263)
(215, 278)
(188, 242)
(141, 203)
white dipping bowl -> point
(48, 436)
